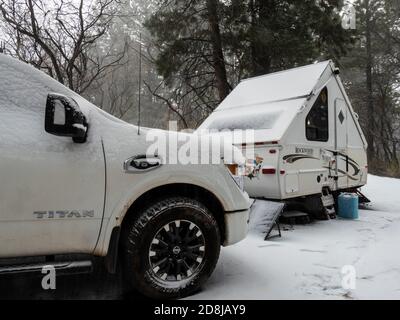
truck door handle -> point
(141, 163)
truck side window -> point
(317, 124)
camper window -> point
(317, 119)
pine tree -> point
(207, 46)
(372, 79)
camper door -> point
(341, 142)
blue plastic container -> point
(348, 205)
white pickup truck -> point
(76, 182)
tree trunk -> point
(260, 56)
(253, 23)
(368, 70)
(218, 56)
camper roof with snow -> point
(306, 132)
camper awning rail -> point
(306, 96)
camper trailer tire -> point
(313, 206)
(171, 249)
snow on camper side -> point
(306, 132)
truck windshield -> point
(256, 121)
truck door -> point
(341, 143)
(51, 189)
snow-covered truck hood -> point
(29, 88)
(170, 146)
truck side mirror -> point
(64, 118)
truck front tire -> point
(171, 248)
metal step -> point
(68, 267)
(327, 200)
(331, 212)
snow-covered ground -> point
(306, 263)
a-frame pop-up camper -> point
(306, 132)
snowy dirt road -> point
(305, 263)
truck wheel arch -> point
(203, 195)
